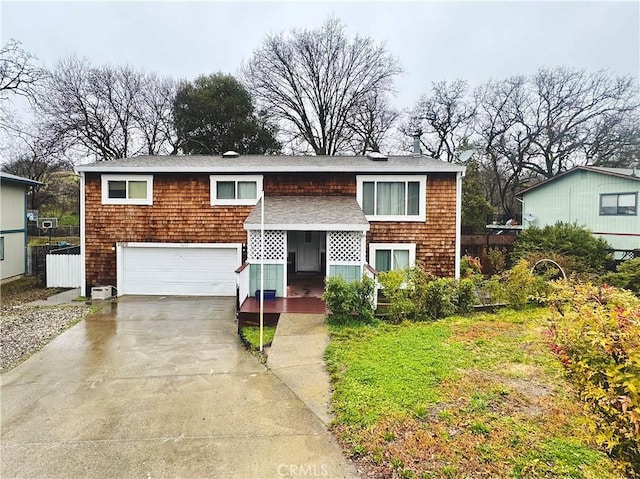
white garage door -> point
(178, 269)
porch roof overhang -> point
(308, 213)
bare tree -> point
(533, 128)
(571, 116)
(502, 138)
(153, 114)
(110, 112)
(18, 71)
(35, 157)
(615, 145)
(313, 82)
(444, 120)
(19, 75)
(369, 127)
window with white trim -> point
(392, 256)
(127, 189)
(619, 204)
(393, 197)
(235, 190)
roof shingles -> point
(270, 163)
(309, 213)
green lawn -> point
(477, 396)
(251, 335)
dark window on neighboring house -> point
(619, 204)
(1, 248)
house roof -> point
(618, 172)
(270, 164)
(8, 177)
(309, 213)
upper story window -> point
(127, 189)
(392, 198)
(615, 204)
(235, 190)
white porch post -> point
(261, 270)
(456, 272)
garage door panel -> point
(179, 271)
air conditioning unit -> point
(101, 292)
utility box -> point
(101, 292)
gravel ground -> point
(27, 329)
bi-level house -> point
(187, 225)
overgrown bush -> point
(469, 266)
(497, 259)
(349, 301)
(405, 292)
(467, 296)
(589, 253)
(440, 297)
(549, 271)
(415, 295)
(627, 276)
(515, 287)
(595, 332)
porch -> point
(304, 295)
(302, 237)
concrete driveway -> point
(158, 387)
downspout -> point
(459, 177)
(83, 265)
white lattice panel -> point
(344, 245)
(274, 245)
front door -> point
(308, 255)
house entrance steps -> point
(296, 357)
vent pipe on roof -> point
(417, 150)
(230, 154)
(633, 171)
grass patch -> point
(251, 336)
(465, 396)
(392, 370)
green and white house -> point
(13, 225)
(605, 200)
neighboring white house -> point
(13, 225)
(603, 199)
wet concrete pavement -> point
(297, 358)
(158, 387)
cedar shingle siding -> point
(182, 213)
(310, 184)
(434, 239)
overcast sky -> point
(434, 41)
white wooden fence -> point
(63, 270)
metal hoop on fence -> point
(564, 276)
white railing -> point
(370, 272)
(63, 271)
(244, 280)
